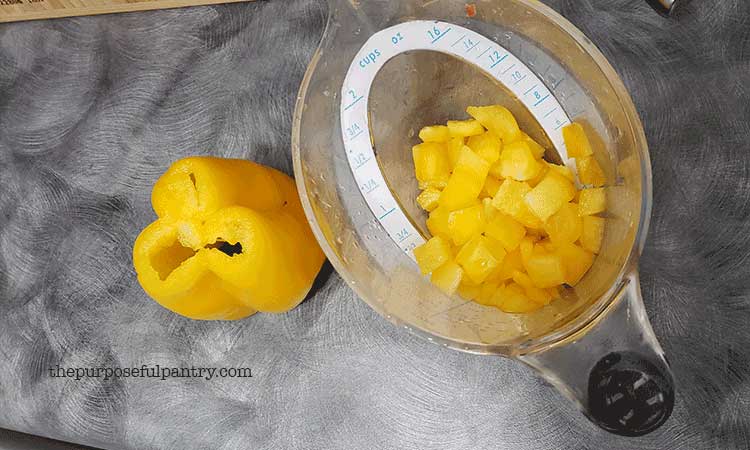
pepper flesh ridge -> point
(231, 239)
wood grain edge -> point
(108, 9)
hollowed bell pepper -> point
(231, 239)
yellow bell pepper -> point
(231, 239)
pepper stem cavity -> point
(167, 259)
(226, 248)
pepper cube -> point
(431, 164)
(476, 259)
(497, 119)
(433, 254)
(592, 201)
(447, 277)
(550, 195)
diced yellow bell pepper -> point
(534, 182)
(467, 181)
(476, 259)
(437, 133)
(545, 245)
(513, 262)
(535, 147)
(462, 191)
(510, 211)
(437, 223)
(497, 249)
(534, 293)
(549, 195)
(564, 226)
(590, 172)
(469, 291)
(529, 220)
(576, 261)
(465, 128)
(592, 233)
(513, 300)
(518, 162)
(526, 247)
(491, 186)
(536, 234)
(487, 293)
(464, 224)
(216, 252)
(447, 277)
(592, 201)
(472, 163)
(497, 119)
(454, 150)
(506, 230)
(562, 170)
(496, 169)
(429, 199)
(522, 279)
(576, 141)
(431, 164)
(486, 145)
(509, 199)
(433, 254)
(489, 211)
(537, 295)
(545, 269)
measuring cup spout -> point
(613, 368)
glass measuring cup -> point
(385, 69)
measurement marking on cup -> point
(531, 89)
(436, 34)
(386, 213)
(354, 102)
(508, 69)
(361, 162)
(369, 186)
(359, 133)
(542, 100)
(499, 61)
(472, 48)
(403, 235)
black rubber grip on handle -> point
(666, 7)
(630, 395)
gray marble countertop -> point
(92, 110)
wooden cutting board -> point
(17, 10)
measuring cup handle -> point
(614, 368)
(663, 6)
